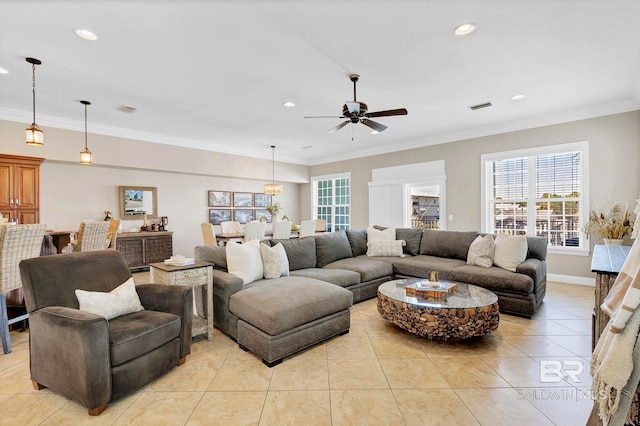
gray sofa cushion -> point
(412, 237)
(451, 244)
(301, 252)
(331, 246)
(369, 269)
(420, 266)
(358, 241)
(493, 278)
(276, 306)
(212, 254)
(340, 277)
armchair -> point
(86, 357)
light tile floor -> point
(375, 375)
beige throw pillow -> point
(275, 262)
(511, 250)
(481, 251)
(385, 248)
(121, 300)
(388, 234)
(245, 261)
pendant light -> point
(85, 156)
(273, 188)
(35, 136)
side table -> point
(198, 274)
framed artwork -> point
(243, 199)
(243, 215)
(219, 198)
(262, 212)
(261, 200)
(217, 216)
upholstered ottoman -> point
(280, 317)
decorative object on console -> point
(85, 156)
(35, 136)
(273, 188)
(613, 224)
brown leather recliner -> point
(86, 357)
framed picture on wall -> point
(265, 213)
(243, 199)
(261, 200)
(217, 216)
(219, 198)
(243, 215)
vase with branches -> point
(612, 224)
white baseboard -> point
(571, 279)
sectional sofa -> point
(339, 259)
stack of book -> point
(180, 261)
(430, 289)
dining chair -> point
(255, 230)
(112, 234)
(92, 236)
(321, 225)
(208, 234)
(307, 228)
(282, 230)
(230, 227)
(17, 242)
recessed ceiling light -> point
(288, 104)
(4, 71)
(86, 34)
(464, 29)
(517, 97)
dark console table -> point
(139, 249)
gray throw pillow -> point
(412, 238)
(357, 241)
(331, 246)
(449, 244)
(301, 252)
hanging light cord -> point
(85, 127)
(33, 85)
(273, 164)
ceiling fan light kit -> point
(357, 112)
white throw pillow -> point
(481, 251)
(244, 260)
(511, 250)
(121, 300)
(386, 248)
(374, 234)
(274, 261)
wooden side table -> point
(198, 274)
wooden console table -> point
(198, 274)
(139, 249)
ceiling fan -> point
(356, 112)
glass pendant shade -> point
(85, 156)
(273, 188)
(34, 135)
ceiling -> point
(214, 74)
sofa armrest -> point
(535, 268)
(69, 353)
(173, 299)
(224, 286)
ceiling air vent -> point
(127, 109)
(480, 106)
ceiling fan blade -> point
(339, 126)
(325, 116)
(387, 113)
(375, 126)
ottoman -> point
(280, 317)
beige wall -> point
(182, 176)
(614, 145)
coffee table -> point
(468, 312)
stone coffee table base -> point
(440, 323)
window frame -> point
(583, 211)
(314, 198)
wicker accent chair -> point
(92, 236)
(17, 242)
(112, 234)
(208, 235)
(83, 355)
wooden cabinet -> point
(141, 248)
(20, 188)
